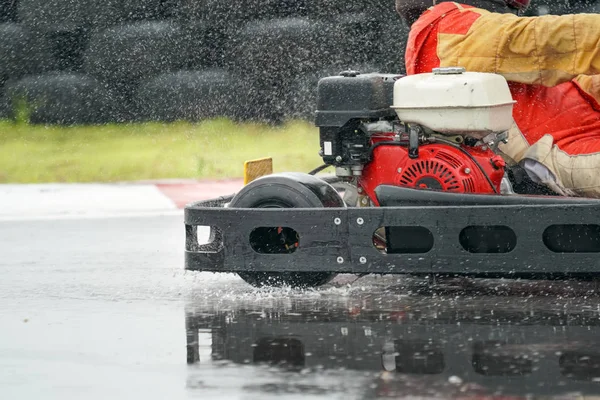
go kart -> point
(419, 188)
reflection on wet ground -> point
(465, 338)
(98, 309)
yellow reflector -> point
(256, 168)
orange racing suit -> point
(551, 65)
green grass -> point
(109, 153)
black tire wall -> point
(72, 15)
(190, 95)
(126, 53)
(123, 56)
(22, 53)
(65, 99)
(13, 39)
(8, 11)
(146, 53)
(353, 38)
(328, 8)
(167, 49)
(281, 48)
(392, 46)
(275, 54)
(52, 15)
(5, 109)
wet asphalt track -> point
(101, 308)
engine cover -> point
(439, 167)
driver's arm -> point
(545, 50)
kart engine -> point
(437, 131)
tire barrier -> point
(137, 48)
(5, 112)
(353, 38)
(64, 48)
(279, 54)
(103, 14)
(225, 13)
(8, 11)
(328, 8)
(204, 45)
(60, 27)
(52, 15)
(124, 54)
(282, 48)
(59, 98)
(190, 95)
(135, 10)
(286, 99)
(392, 46)
(22, 53)
(13, 40)
(71, 15)
(39, 55)
(216, 24)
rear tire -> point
(287, 190)
(293, 279)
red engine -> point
(439, 166)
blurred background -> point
(130, 90)
(71, 62)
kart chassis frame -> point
(548, 239)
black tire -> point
(287, 190)
(191, 96)
(221, 12)
(587, 6)
(205, 44)
(273, 54)
(65, 49)
(329, 8)
(138, 10)
(126, 53)
(212, 26)
(5, 112)
(227, 14)
(271, 102)
(353, 38)
(14, 39)
(8, 11)
(392, 47)
(52, 15)
(280, 49)
(65, 99)
(68, 15)
(290, 99)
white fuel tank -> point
(453, 101)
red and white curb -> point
(97, 200)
